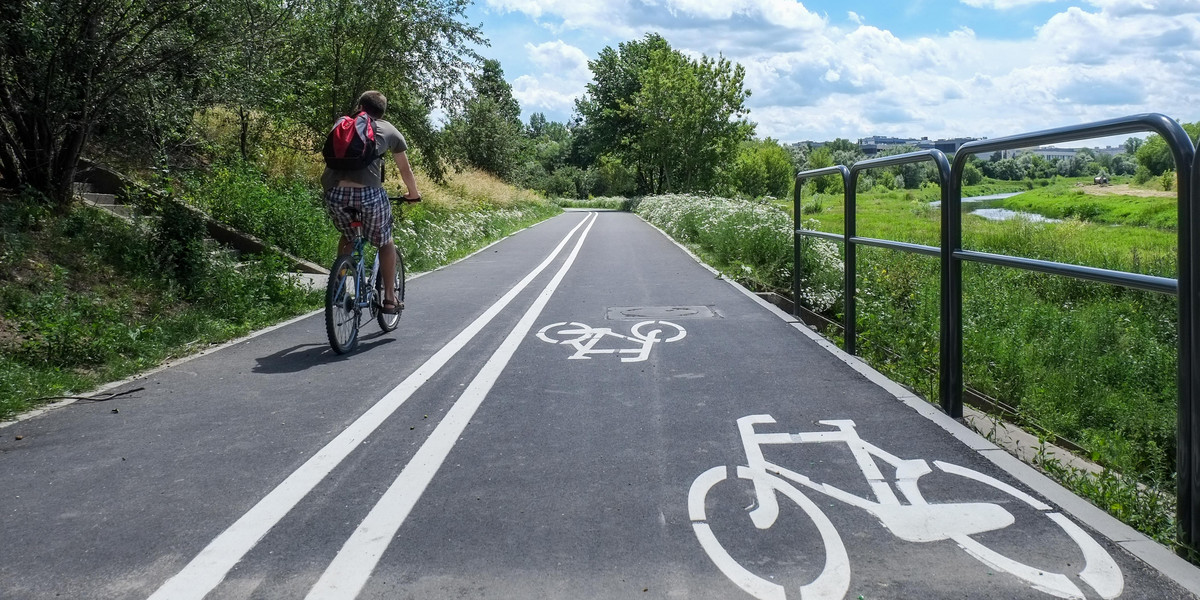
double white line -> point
(352, 566)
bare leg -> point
(344, 246)
(387, 270)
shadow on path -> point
(302, 356)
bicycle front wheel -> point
(341, 310)
(717, 514)
(389, 322)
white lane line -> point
(206, 571)
(352, 567)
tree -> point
(1156, 156)
(249, 74)
(819, 159)
(763, 168)
(1132, 144)
(65, 63)
(488, 133)
(672, 119)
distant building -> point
(875, 144)
(1052, 153)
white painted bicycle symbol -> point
(916, 521)
(584, 339)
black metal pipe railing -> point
(953, 255)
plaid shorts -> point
(372, 206)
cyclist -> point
(362, 191)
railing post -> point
(950, 384)
(797, 246)
(1188, 415)
(850, 270)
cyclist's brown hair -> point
(373, 102)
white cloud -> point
(571, 14)
(1096, 60)
(1002, 4)
(783, 13)
(564, 73)
(559, 57)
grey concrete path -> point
(579, 411)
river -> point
(988, 208)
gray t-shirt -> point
(388, 138)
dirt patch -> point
(1123, 189)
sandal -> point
(391, 308)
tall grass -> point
(1087, 362)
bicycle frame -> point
(364, 287)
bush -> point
(1168, 181)
(289, 214)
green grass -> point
(1070, 202)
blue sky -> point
(822, 69)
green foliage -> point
(607, 202)
(614, 178)
(1156, 156)
(749, 241)
(287, 213)
(762, 168)
(488, 133)
(972, 175)
(65, 65)
(826, 184)
(670, 119)
(430, 235)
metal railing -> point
(952, 256)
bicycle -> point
(351, 293)
(916, 521)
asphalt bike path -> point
(579, 411)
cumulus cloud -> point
(814, 79)
(1002, 4)
(559, 57)
(564, 75)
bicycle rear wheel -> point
(341, 311)
(389, 322)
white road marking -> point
(206, 571)
(585, 337)
(352, 567)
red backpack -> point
(351, 145)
